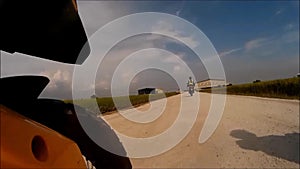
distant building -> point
(149, 91)
(158, 91)
(256, 81)
(211, 83)
(93, 96)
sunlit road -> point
(253, 132)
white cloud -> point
(270, 43)
(58, 78)
(291, 36)
(278, 12)
(177, 68)
(103, 84)
(180, 8)
(222, 54)
(178, 12)
(289, 27)
(173, 59)
(255, 43)
(167, 28)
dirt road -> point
(253, 133)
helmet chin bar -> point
(45, 29)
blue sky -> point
(254, 40)
(230, 24)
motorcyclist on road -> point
(190, 82)
(191, 85)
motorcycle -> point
(191, 89)
(46, 133)
(59, 122)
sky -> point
(253, 39)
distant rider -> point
(191, 85)
(190, 82)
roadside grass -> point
(281, 88)
(106, 104)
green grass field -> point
(106, 104)
(282, 88)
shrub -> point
(106, 104)
(283, 88)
